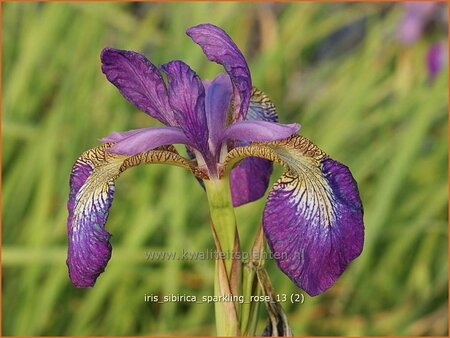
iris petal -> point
(91, 195)
(436, 59)
(219, 47)
(313, 219)
(250, 178)
(313, 226)
(218, 96)
(260, 131)
(117, 136)
(139, 140)
(187, 98)
(261, 108)
(89, 249)
(139, 81)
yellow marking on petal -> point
(106, 167)
(259, 98)
(303, 176)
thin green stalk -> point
(222, 216)
(228, 267)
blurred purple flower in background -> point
(417, 15)
(437, 57)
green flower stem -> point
(222, 216)
(228, 270)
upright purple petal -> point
(250, 178)
(139, 81)
(261, 108)
(137, 141)
(218, 96)
(187, 99)
(219, 47)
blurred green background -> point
(338, 69)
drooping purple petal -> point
(250, 178)
(187, 98)
(90, 197)
(313, 218)
(218, 96)
(219, 47)
(313, 222)
(139, 81)
(145, 139)
(89, 249)
(259, 131)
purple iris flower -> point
(416, 16)
(313, 218)
(436, 59)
